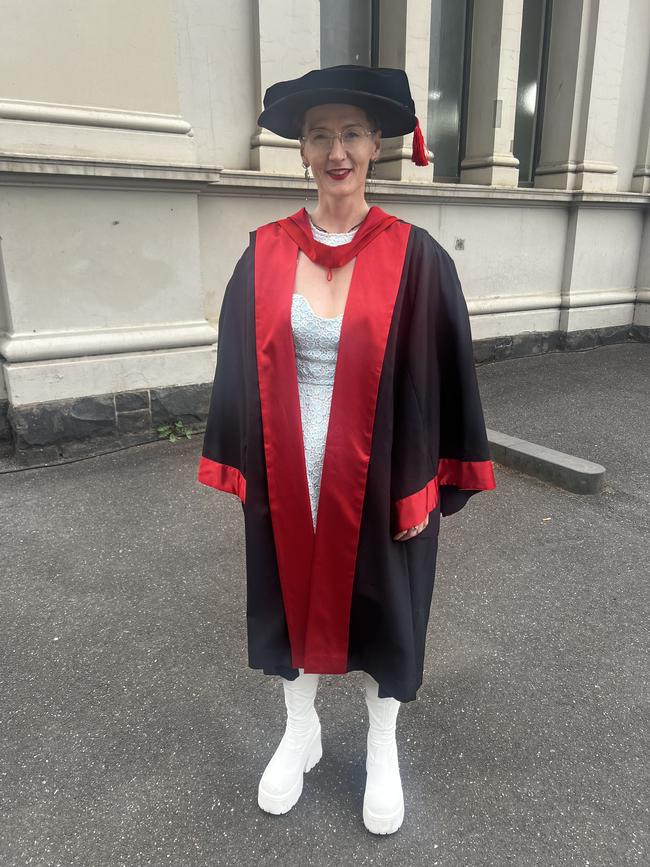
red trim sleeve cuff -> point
(465, 475)
(222, 477)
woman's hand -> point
(408, 534)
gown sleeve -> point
(222, 464)
(448, 456)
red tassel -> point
(419, 153)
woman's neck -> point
(340, 217)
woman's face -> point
(328, 162)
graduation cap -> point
(383, 92)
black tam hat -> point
(383, 92)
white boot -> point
(298, 751)
(383, 800)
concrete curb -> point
(565, 471)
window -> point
(450, 51)
(531, 84)
(349, 32)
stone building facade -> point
(132, 170)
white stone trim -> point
(40, 129)
(572, 167)
(21, 170)
(549, 301)
(22, 348)
(84, 115)
(24, 165)
(63, 379)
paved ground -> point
(593, 404)
(134, 734)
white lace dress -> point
(316, 342)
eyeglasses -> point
(351, 138)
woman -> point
(345, 415)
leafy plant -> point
(173, 431)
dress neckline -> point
(313, 312)
(333, 239)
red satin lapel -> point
(316, 571)
(276, 257)
(362, 346)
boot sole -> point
(278, 804)
(383, 824)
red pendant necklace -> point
(329, 269)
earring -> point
(306, 165)
(372, 177)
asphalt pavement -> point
(133, 732)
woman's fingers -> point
(408, 534)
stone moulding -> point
(52, 112)
(20, 348)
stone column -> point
(287, 45)
(496, 35)
(585, 70)
(404, 44)
(641, 173)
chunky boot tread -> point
(383, 824)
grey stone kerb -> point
(566, 471)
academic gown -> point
(406, 438)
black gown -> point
(406, 438)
